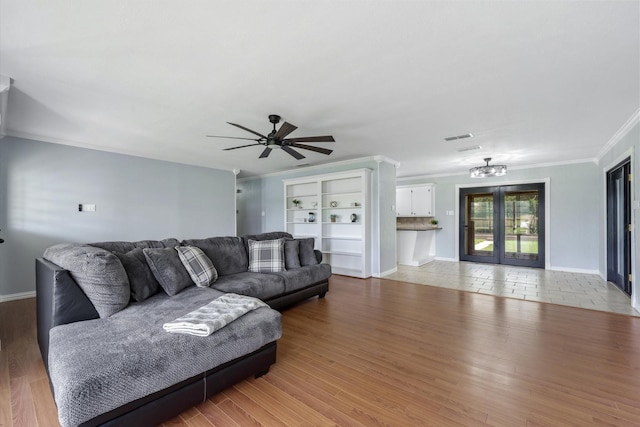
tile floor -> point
(573, 289)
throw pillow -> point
(266, 256)
(198, 265)
(98, 272)
(143, 283)
(168, 270)
(291, 254)
(307, 254)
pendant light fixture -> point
(488, 170)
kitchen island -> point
(416, 244)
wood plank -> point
(383, 352)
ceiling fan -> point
(276, 139)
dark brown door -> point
(503, 225)
(619, 226)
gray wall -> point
(574, 212)
(42, 184)
(272, 204)
(629, 144)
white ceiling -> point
(534, 81)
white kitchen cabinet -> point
(414, 200)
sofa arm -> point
(59, 300)
(318, 255)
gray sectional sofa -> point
(101, 309)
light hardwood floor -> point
(382, 352)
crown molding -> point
(621, 133)
(377, 159)
(533, 166)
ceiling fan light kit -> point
(277, 139)
(488, 170)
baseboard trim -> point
(439, 258)
(385, 273)
(575, 270)
(20, 295)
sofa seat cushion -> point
(228, 254)
(98, 365)
(259, 285)
(303, 276)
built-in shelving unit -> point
(334, 209)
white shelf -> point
(345, 193)
(346, 244)
(342, 237)
(342, 207)
(301, 195)
(342, 222)
(342, 253)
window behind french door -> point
(619, 226)
(503, 224)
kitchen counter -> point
(416, 228)
(414, 247)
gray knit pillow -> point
(167, 269)
(143, 283)
(198, 265)
(291, 254)
(307, 253)
(98, 272)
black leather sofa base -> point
(286, 300)
(170, 402)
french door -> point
(619, 226)
(503, 224)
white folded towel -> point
(213, 316)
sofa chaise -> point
(111, 363)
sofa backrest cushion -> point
(167, 269)
(271, 235)
(228, 254)
(124, 247)
(98, 272)
(141, 279)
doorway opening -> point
(503, 225)
(619, 226)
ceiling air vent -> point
(471, 148)
(454, 138)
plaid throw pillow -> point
(198, 265)
(266, 256)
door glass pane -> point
(619, 224)
(478, 227)
(521, 225)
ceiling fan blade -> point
(311, 147)
(242, 146)
(326, 138)
(248, 130)
(293, 152)
(232, 137)
(284, 130)
(265, 153)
